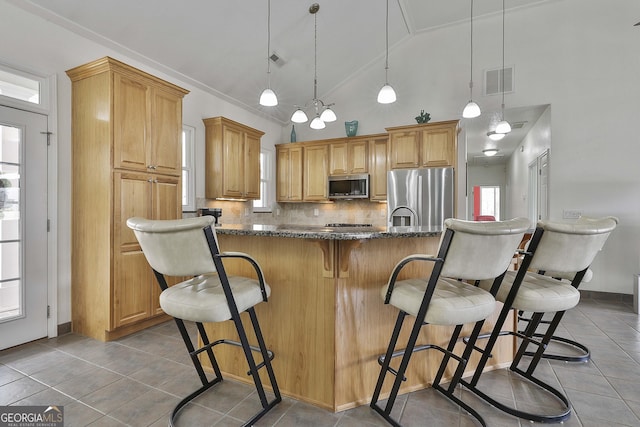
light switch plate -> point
(571, 214)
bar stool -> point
(189, 247)
(582, 352)
(567, 249)
(468, 251)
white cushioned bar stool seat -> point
(453, 302)
(555, 262)
(538, 293)
(468, 252)
(202, 298)
(189, 247)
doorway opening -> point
(486, 203)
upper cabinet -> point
(146, 125)
(232, 158)
(378, 167)
(348, 156)
(289, 173)
(424, 145)
(315, 172)
(302, 168)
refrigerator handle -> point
(419, 217)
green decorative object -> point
(423, 117)
(351, 127)
(293, 133)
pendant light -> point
(327, 114)
(268, 97)
(472, 109)
(387, 95)
(503, 126)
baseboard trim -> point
(607, 296)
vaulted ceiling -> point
(221, 46)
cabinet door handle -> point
(154, 167)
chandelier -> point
(323, 111)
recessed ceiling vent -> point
(493, 81)
(518, 125)
(276, 59)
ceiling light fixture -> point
(327, 115)
(503, 126)
(268, 97)
(387, 95)
(495, 136)
(472, 109)
(489, 152)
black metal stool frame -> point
(528, 337)
(411, 347)
(207, 346)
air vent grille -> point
(518, 125)
(276, 59)
(493, 81)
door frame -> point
(50, 109)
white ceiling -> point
(221, 45)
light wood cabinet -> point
(424, 145)
(348, 157)
(232, 153)
(289, 173)
(378, 167)
(315, 162)
(126, 159)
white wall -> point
(536, 142)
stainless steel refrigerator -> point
(420, 197)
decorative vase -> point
(293, 133)
(351, 127)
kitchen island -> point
(325, 320)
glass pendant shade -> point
(503, 127)
(471, 110)
(496, 136)
(317, 123)
(386, 95)
(328, 115)
(268, 98)
(299, 116)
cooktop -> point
(346, 225)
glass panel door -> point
(23, 227)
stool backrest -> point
(175, 247)
(570, 247)
(482, 250)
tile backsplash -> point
(351, 211)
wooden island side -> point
(325, 319)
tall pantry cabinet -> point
(127, 161)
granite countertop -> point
(323, 232)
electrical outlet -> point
(316, 212)
(571, 214)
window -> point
(266, 188)
(23, 90)
(188, 172)
(490, 201)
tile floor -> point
(137, 380)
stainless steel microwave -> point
(348, 186)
